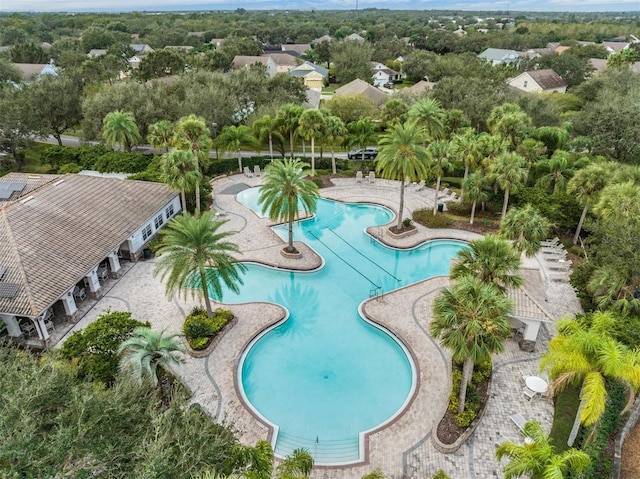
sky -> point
(171, 5)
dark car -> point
(369, 154)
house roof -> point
(526, 307)
(140, 47)
(615, 46)
(497, 54)
(360, 87)
(240, 61)
(306, 67)
(421, 87)
(355, 37)
(547, 78)
(96, 52)
(561, 49)
(323, 38)
(63, 228)
(282, 59)
(296, 47)
(31, 70)
(598, 64)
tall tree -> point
(470, 319)
(474, 186)
(428, 114)
(266, 128)
(439, 164)
(298, 464)
(288, 118)
(179, 170)
(195, 256)
(509, 121)
(526, 227)
(192, 134)
(402, 157)
(361, 133)
(586, 185)
(491, 260)
(285, 191)
(335, 133)
(558, 170)
(161, 134)
(509, 173)
(119, 127)
(351, 60)
(585, 356)
(538, 459)
(465, 147)
(620, 200)
(146, 351)
(233, 138)
(311, 126)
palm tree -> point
(553, 137)
(298, 464)
(287, 118)
(335, 133)
(179, 170)
(160, 135)
(614, 288)
(526, 227)
(192, 134)
(285, 190)
(474, 186)
(465, 146)
(587, 355)
(402, 157)
(491, 260)
(147, 350)
(428, 114)
(470, 319)
(558, 169)
(586, 185)
(361, 133)
(619, 201)
(119, 127)
(311, 125)
(439, 153)
(233, 138)
(509, 173)
(538, 460)
(194, 254)
(508, 121)
(267, 127)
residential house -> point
(360, 87)
(355, 38)
(63, 236)
(313, 75)
(560, 49)
(499, 56)
(284, 62)
(141, 49)
(419, 89)
(33, 71)
(598, 64)
(615, 47)
(96, 52)
(134, 61)
(217, 42)
(244, 61)
(299, 48)
(323, 38)
(460, 32)
(538, 81)
(383, 75)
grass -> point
(32, 159)
(331, 88)
(426, 218)
(565, 410)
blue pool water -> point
(325, 375)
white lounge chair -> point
(519, 421)
(529, 394)
(559, 276)
(256, 170)
(560, 265)
(358, 176)
(247, 172)
(372, 177)
(554, 242)
(420, 186)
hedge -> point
(98, 157)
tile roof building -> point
(539, 81)
(59, 233)
(360, 87)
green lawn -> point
(565, 410)
(331, 88)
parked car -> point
(369, 153)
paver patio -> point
(403, 449)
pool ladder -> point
(376, 293)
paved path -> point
(402, 449)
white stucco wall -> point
(137, 240)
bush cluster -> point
(481, 373)
(199, 329)
(426, 218)
(68, 159)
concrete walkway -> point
(402, 449)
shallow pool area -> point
(324, 376)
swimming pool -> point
(325, 376)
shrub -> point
(197, 326)
(199, 343)
(223, 313)
(375, 474)
(440, 474)
(199, 329)
(69, 168)
(95, 347)
(317, 181)
(426, 218)
(406, 222)
(460, 209)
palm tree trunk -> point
(205, 292)
(271, 146)
(313, 156)
(198, 197)
(183, 197)
(505, 203)
(291, 143)
(400, 208)
(239, 161)
(333, 161)
(467, 371)
(466, 173)
(290, 247)
(304, 148)
(473, 212)
(435, 202)
(580, 223)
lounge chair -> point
(501, 440)
(560, 265)
(358, 176)
(372, 177)
(420, 186)
(559, 276)
(247, 172)
(519, 421)
(554, 242)
(256, 170)
(529, 394)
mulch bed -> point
(476, 227)
(394, 229)
(448, 430)
(631, 454)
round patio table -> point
(536, 384)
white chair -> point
(256, 170)
(359, 177)
(529, 394)
(79, 294)
(519, 421)
(554, 242)
(372, 177)
(420, 186)
(27, 327)
(524, 374)
(50, 326)
(103, 273)
(247, 172)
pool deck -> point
(403, 449)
